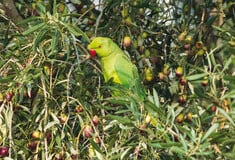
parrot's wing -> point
(125, 70)
(128, 75)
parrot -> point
(115, 64)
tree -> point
(56, 105)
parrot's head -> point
(101, 46)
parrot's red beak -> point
(92, 52)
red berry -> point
(97, 140)
(4, 151)
(143, 128)
(92, 52)
(161, 75)
(187, 46)
(88, 131)
(204, 83)
(33, 145)
(136, 151)
(179, 71)
(78, 109)
(182, 99)
(183, 81)
(74, 156)
(48, 136)
(213, 108)
(95, 120)
(63, 118)
(8, 96)
(199, 44)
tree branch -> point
(11, 11)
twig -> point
(98, 20)
(11, 11)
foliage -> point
(184, 52)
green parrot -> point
(115, 64)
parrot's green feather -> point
(116, 65)
(125, 70)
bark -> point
(11, 11)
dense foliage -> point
(56, 105)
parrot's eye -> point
(99, 46)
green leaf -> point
(58, 140)
(99, 155)
(119, 119)
(152, 107)
(33, 29)
(229, 95)
(134, 109)
(30, 19)
(125, 153)
(41, 8)
(228, 62)
(204, 153)
(155, 97)
(118, 100)
(177, 150)
(218, 28)
(165, 145)
(225, 114)
(229, 155)
(210, 131)
(55, 40)
(54, 7)
(211, 20)
(183, 142)
(76, 31)
(229, 141)
(7, 79)
(39, 37)
(196, 76)
(50, 124)
(95, 146)
(229, 78)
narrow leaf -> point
(225, 114)
(119, 119)
(54, 7)
(155, 97)
(58, 140)
(50, 124)
(39, 38)
(196, 76)
(30, 19)
(152, 107)
(211, 20)
(124, 154)
(55, 40)
(33, 29)
(76, 31)
(177, 150)
(210, 131)
(95, 146)
(184, 143)
(229, 95)
(228, 62)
